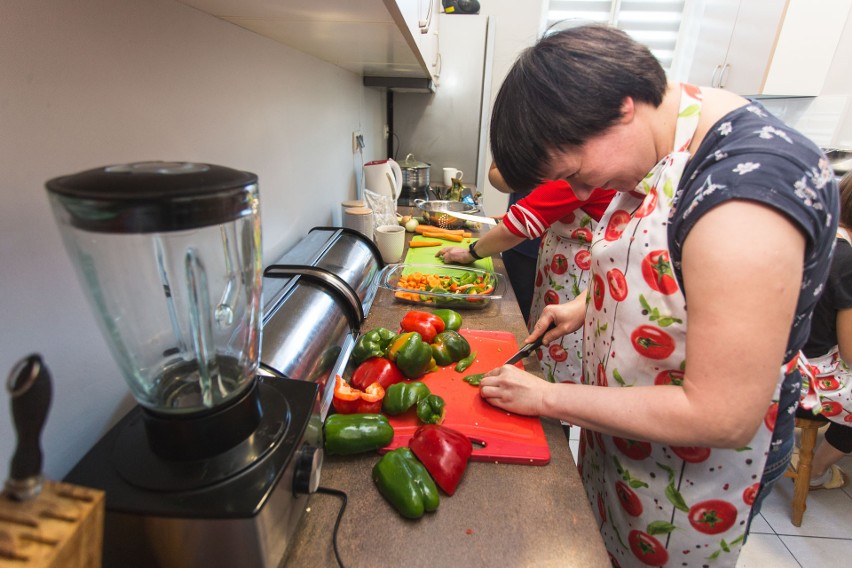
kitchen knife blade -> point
(528, 348)
(466, 217)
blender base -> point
(245, 520)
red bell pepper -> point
(376, 370)
(348, 400)
(444, 452)
(428, 325)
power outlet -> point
(357, 141)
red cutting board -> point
(497, 435)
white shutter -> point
(654, 23)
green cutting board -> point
(426, 255)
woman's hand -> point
(566, 317)
(512, 389)
(455, 255)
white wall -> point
(95, 82)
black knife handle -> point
(30, 389)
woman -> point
(722, 209)
(565, 225)
(829, 349)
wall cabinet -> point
(765, 47)
(379, 38)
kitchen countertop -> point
(501, 514)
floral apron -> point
(656, 504)
(562, 272)
(833, 383)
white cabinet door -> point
(767, 47)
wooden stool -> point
(802, 475)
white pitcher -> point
(383, 177)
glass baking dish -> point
(448, 286)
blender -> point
(213, 455)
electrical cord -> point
(344, 498)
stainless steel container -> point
(415, 180)
(433, 212)
(315, 298)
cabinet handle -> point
(714, 77)
(723, 78)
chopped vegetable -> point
(431, 409)
(420, 287)
(474, 379)
(466, 362)
(419, 244)
(444, 452)
(402, 396)
(349, 400)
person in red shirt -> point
(565, 224)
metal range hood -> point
(401, 84)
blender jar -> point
(168, 254)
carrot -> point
(415, 244)
(435, 229)
(445, 236)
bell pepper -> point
(406, 483)
(376, 370)
(374, 343)
(449, 347)
(452, 319)
(463, 364)
(402, 396)
(347, 434)
(430, 409)
(443, 452)
(349, 400)
(474, 379)
(426, 324)
(411, 354)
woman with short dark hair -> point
(723, 214)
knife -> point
(466, 217)
(30, 388)
(528, 348)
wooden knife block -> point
(62, 528)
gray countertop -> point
(501, 514)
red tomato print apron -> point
(656, 505)
(562, 272)
(833, 382)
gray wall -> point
(95, 82)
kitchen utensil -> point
(473, 218)
(435, 212)
(30, 389)
(391, 242)
(528, 349)
(390, 276)
(415, 179)
(169, 254)
(450, 174)
(498, 436)
(384, 177)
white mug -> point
(390, 239)
(450, 173)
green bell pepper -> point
(412, 355)
(452, 319)
(430, 409)
(449, 347)
(406, 483)
(374, 343)
(347, 434)
(463, 364)
(402, 396)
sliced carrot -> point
(416, 244)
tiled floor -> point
(823, 540)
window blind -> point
(654, 23)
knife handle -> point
(30, 388)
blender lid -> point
(156, 196)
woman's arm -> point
(741, 304)
(844, 334)
(496, 240)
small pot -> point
(415, 174)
